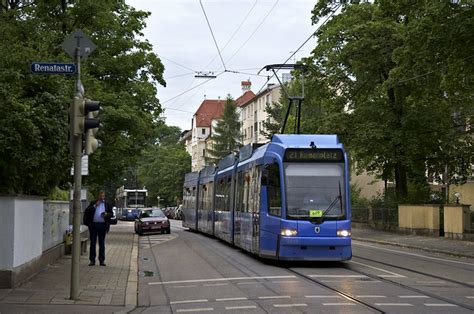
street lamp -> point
(158, 199)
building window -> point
(203, 153)
(203, 131)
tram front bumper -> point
(315, 248)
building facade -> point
(252, 114)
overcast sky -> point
(179, 33)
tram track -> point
(304, 277)
(416, 272)
(341, 293)
(348, 296)
(407, 287)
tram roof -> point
(305, 140)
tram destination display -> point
(314, 155)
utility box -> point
(457, 220)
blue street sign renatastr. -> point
(52, 68)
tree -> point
(163, 165)
(122, 73)
(226, 137)
(372, 56)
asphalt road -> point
(186, 272)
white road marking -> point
(322, 296)
(219, 279)
(189, 301)
(332, 281)
(216, 284)
(431, 282)
(287, 281)
(393, 304)
(205, 309)
(371, 296)
(240, 307)
(470, 297)
(190, 286)
(290, 305)
(249, 283)
(231, 299)
(440, 304)
(413, 296)
(337, 276)
(367, 281)
(275, 297)
(412, 254)
(392, 274)
(337, 304)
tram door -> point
(247, 217)
(270, 210)
(254, 207)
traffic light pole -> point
(76, 224)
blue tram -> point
(286, 200)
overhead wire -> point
(178, 75)
(301, 46)
(179, 64)
(254, 31)
(212, 33)
(235, 32)
(190, 89)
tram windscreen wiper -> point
(334, 202)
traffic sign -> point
(52, 68)
(78, 40)
(84, 166)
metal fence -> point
(378, 218)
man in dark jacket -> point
(97, 218)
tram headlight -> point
(288, 232)
(343, 233)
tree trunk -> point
(401, 180)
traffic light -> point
(83, 120)
(76, 122)
(91, 125)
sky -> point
(249, 33)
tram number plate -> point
(315, 213)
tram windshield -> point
(314, 190)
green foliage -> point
(58, 195)
(162, 169)
(122, 73)
(273, 124)
(391, 78)
(226, 137)
(357, 199)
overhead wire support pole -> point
(212, 33)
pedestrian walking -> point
(97, 217)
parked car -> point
(113, 219)
(152, 220)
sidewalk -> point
(113, 285)
(430, 244)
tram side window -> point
(274, 190)
(241, 203)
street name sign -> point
(52, 68)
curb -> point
(132, 283)
(457, 254)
